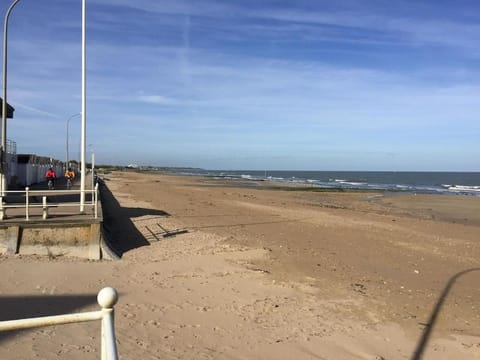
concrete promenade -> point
(63, 205)
(57, 229)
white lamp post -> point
(84, 110)
(67, 153)
(3, 177)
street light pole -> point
(68, 123)
(84, 111)
(3, 150)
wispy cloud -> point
(240, 77)
(353, 22)
(156, 99)
(35, 110)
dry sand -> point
(263, 272)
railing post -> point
(96, 201)
(27, 202)
(45, 208)
(107, 298)
(2, 209)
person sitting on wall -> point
(51, 175)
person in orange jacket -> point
(70, 174)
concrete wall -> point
(28, 174)
(12, 168)
(62, 236)
(65, 239)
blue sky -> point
(286, 85)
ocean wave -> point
(354, 183)
(419, 183)
(464, 188)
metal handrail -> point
(44, 194)
(107, 298)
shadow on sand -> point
(20, 307)
(119, 231)
(423, 342)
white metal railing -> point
(107, 298)
(44, 194)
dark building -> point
(10, 109)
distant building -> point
(10, 109)
(31, 168)
(25, 169)
(10, 156)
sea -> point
(457, 183)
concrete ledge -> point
(79, 239)
(65, 233)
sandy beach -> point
(217, 269)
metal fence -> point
(107, 298)
(28, 205)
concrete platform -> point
(65, 232)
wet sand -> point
(258, 271)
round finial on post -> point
(107, 297)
